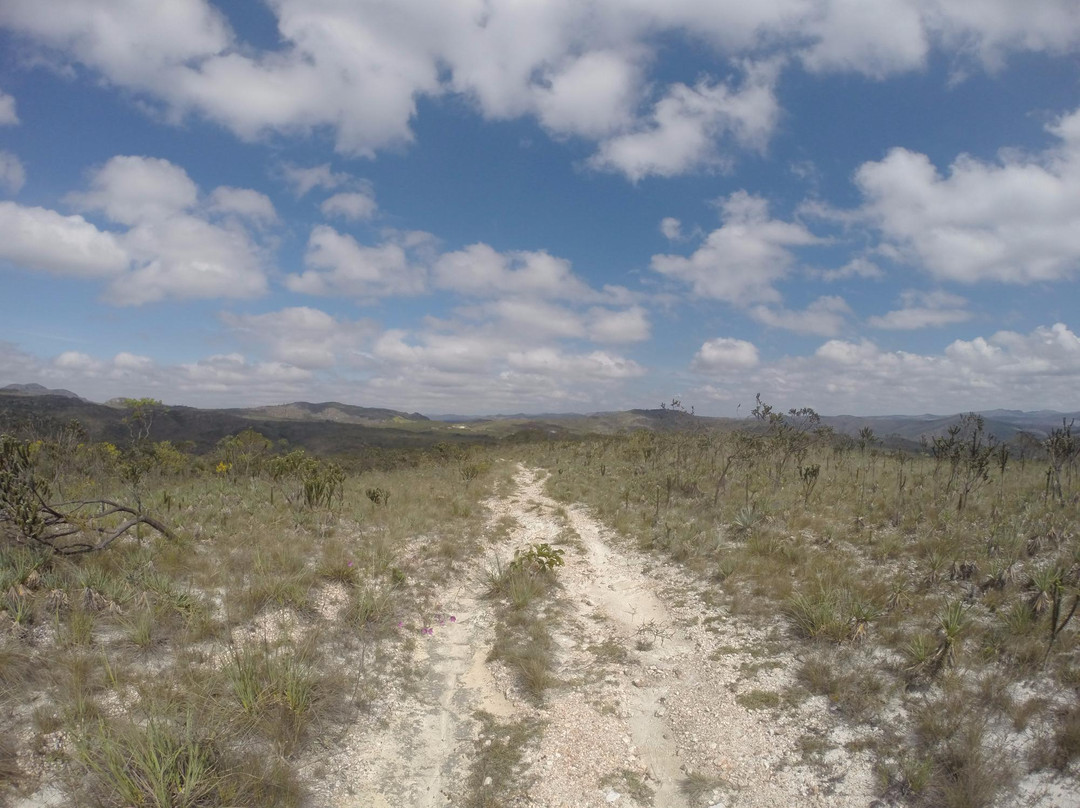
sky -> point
(501, 206)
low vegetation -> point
(242, 604)
(935, 593)
(176, 629)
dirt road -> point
(663, 698)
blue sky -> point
(504, 206)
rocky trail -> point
(662, 699)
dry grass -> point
(891, 591)
(195, 671)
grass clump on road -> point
(523, 631)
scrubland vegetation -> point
(154, 671)
(932, 596)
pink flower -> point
(453, 619)
(349, 565)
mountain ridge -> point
(336, 426)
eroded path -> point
(662, 698)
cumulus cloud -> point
(685, 127)
(352, 206)
(12, 173)
(185, 257)
(878, 40)
(1013, 221)
(844, 376)
(724, 354)
(169, 248)
(857, 267)
(132, 190)
(740, 261)
(554, 364)
(481, 271)
(824, 317)
(8, 117)
(42, 239)
(337, 264)
(357, 70)
(218, 380)
(304, 180)
(923, 310)
(301, 336)
(176, 252)
(970, 374)
(592, 95)
(517, 318)
(618, 326)
(243, 202)
(222, 372)
(671, 228)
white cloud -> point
(8, 117)
(338, 265)
(357, 70)
(1016, 221)
(520, 318)
(989, 30)
(976, 374)
(12, 173)
(186, 258)
(1051, 353)
(740, 261)
(824, 317)
(304, 180)
(243, 202)
(352, 206)
(724, 354)
(554, 364)
(168, 251)
(37, 238)
(1040, 369)
(842, 352)
(622, 326)
(175, 251)
(302, 336)
(132, 362)
(858, 267)
(467, 355)
(481, 271)
(671, 228)
(132, 190)
(76, 361)
(592, 96)
(879, 39)
(223, 373)
(684, 129)
(923, 310)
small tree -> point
(1062, 449)
(77, 526)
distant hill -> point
(1005, 425)
(205, 427)
(35, 390)
(332, 427)
(327, 411)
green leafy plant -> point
(540, 558)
